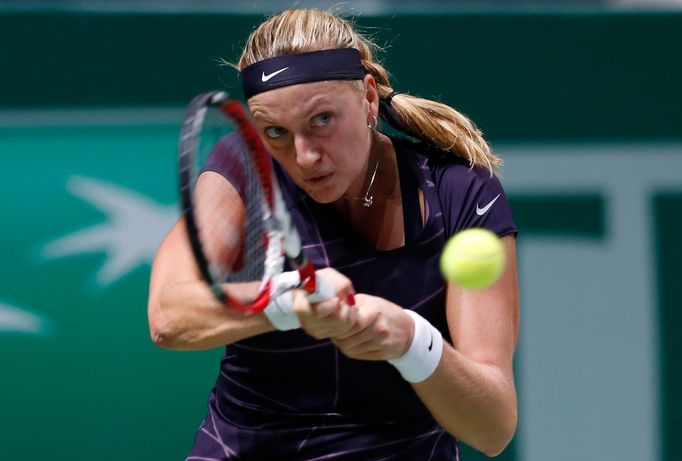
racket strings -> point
(228, 192)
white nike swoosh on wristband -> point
(482, 211)
(264, 78)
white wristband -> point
(280, 310)
(423, 355)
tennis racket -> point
(239, 229)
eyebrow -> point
(261, 115)
(308, 108)
(314, 102)
(258, 115)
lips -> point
(317, 179)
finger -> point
(347, 319)
(341, 283)
(325, 330)
(348, 316)
(363, 336)
(370, 350)
(353, 314)
(344, 311)
(348, 294)
(302, 306)
(335, 309)
(342, 321)
(359, 321)
(325, 309)
(352, 329)
(371, 346)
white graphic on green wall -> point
(15, 319)
(134, 227)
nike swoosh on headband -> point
(482, 211)
(265, 77)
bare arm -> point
(472, 392)
(182, 312)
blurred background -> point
(583, 99)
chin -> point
(323, 199)
(324, 196)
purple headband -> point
(315, 66)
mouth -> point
(318, 179)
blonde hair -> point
(304, 30)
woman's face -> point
(318, 133)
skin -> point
(318, 133)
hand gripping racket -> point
(239, 228)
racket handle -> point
(324, 290)
(286, 281)
(280, 312)
(280, 309)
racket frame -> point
(282, 239)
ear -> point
(371, 95)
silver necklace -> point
(367, 200)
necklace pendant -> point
(368, 200)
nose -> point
(307, 152)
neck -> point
(381, 224)
(381, 180)
(367, 199)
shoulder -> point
(228, 159)
(455, 178)
(468, 197)
(449, 172)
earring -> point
(374, 123)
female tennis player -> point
(400, 365)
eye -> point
(322, 119)
(274, 132)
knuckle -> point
(318, 335)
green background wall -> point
(89, 110)
(519, 75)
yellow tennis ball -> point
(472, 259)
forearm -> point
(476, 402)
(186, 316)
